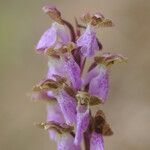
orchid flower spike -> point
(68, 89)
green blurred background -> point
(128, 109)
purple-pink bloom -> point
(96, 142)
(72, 70)
(88, 42)
(66, 142)
(54, 68)
(82, 123)
(54, 36)
(98, 80)
(68, 106)
(54, 114)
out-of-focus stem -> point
(82, 65)
(86, 141)
(72, 32)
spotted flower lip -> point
(54, 36)
(88, 42)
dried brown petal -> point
(46, 85)
(86, 18)
(53, 51)
(106, 23)
(110, 59)
(60, 79)
(53, 12)
(100, 125)
(84, 98)
(70, 90)
(60, 128)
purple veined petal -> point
(66, 142)
(90, 75)
(55, 67)
(54, 114)
(82, 123)
(88, 42)
(48, 39)
(55, 34)
(99, 85)
(68, 106)
(72, 71)
(64, 35)
(96, 142)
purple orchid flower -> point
(99, 83)
(88, 42)
(56, 35)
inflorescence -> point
(68, 88)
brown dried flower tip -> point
(60, 128)
(100, 125)
(86, 18)
(97, 19)
(46, 85)
(109, 59)
(54, 51)
(53, 12)
(85, 98)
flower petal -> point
(99, 84)
(96, 142)
(54, 114)
(66, 142)
(90, 75)
(54, 68)
(68, 106)
(56, 33)
(82, 123)
(72, 71)
(88, 42)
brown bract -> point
(109, 59)
(53, 51)
(99, 124)
(51, 125)
(96, 19)
(85, 98)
